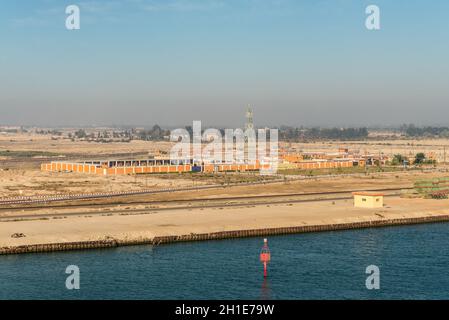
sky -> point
(297, 62)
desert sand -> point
(184, 222)
(20, 176)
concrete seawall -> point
(112, 243)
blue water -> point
(413, 262)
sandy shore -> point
(199, 221)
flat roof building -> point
(368, 200)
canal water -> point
(413, 263)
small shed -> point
(368, 199)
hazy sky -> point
(298, 62)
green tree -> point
(420, 158)
(398, 159)
(80, 134)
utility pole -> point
(444, 154)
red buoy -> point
(265, 256)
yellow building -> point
(368, 200)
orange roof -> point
(365, 193)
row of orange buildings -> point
(144, 167)
(121, 168)
(321, 160)
(327, 164)
(342, 159)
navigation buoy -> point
(265, 256)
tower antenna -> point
(249, 118)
